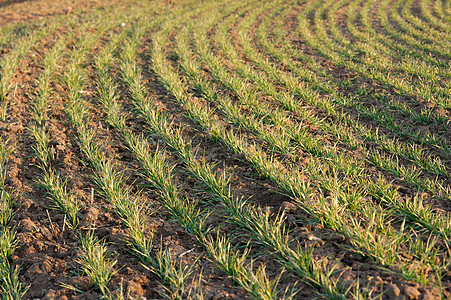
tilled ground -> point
(48, 251)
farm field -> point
(182, 149)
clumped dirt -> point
(48, 251)
(37, 10)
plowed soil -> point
(48, 251)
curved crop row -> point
(273, 149)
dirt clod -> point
(314, 241)
(91, 215)
(26, 225)
(45, 232)
(34, 269)
(135, 289)
(393, 291)
(378, 280)
(411, 292)
(81, 282)
(335, 237)
(46, 267)
(429, 295)
(50, 295)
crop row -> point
(342, 107)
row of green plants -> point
(426, 115)
(411, 152)
(378, 67)
(257, 223)
(94, 260)
(232, 69)
(276, 172)
(278, 117)
(11, 287)
(160, 175)
(10, 33)
(346, 164)
(434, 15)
(49, 179)
(133, 211)
(8, 64)
(414, 36)
(211, 130)
(24, 42)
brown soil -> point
(14, 11)
(264, 196)
(47, 250)
(407, 192)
